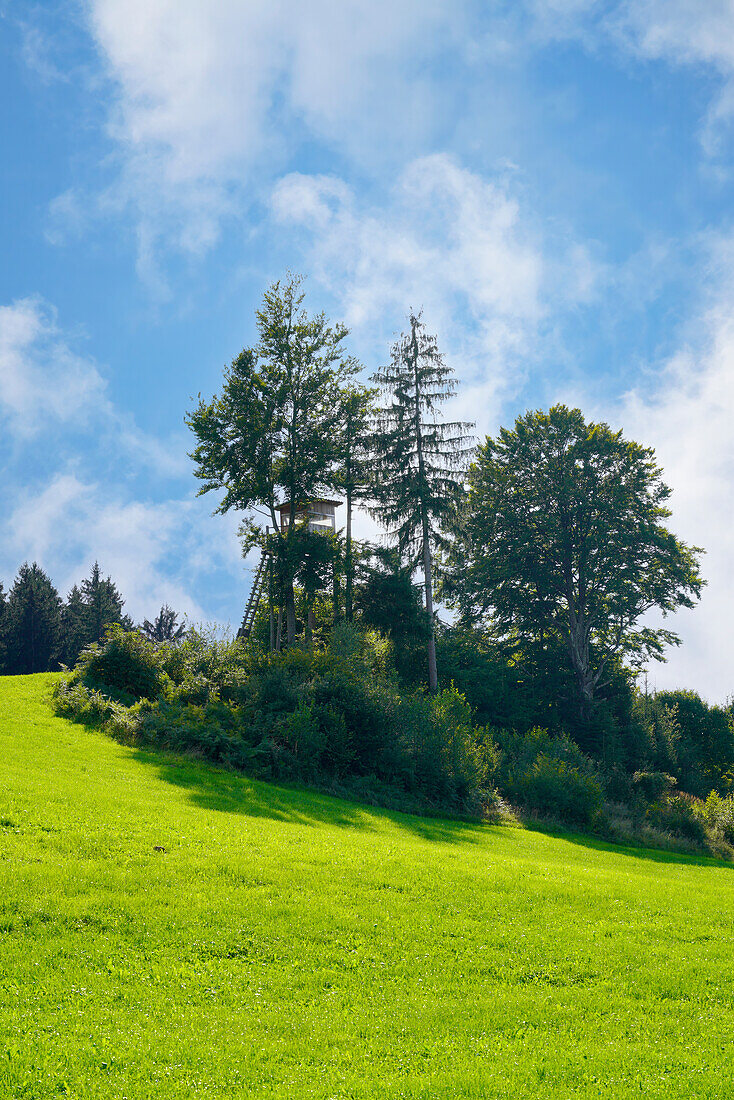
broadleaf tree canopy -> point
(564, 533)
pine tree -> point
(75, 628)
(104, 605)
(165, 627)
(32, 627)
(419, 461)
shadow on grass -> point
(214, 788)
(626, 848)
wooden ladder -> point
(259, 584)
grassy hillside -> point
(292, 945)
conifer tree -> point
(75, 627)
(353, 473)
(104, 605)
(165, 627)
(32, 622)
(419, 461)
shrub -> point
(126, 664)
(546, 773)
(677, 815)
(653, 786)
(559, 789)
(718, 814)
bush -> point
(324, 718)
(547, 774)
(677, 815)
(555, 788)
(653, 786)
(126, 665)
(718, 814)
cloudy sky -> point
(551, 180)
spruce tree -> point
(164, 628)
(32, 623)
(75, 627)
(353, 472)
(419, 461)
(104, 605)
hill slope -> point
(292, 945)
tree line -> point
(40, 631)
(549, 542)
(553, 534)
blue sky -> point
(551, 180)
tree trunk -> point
(348, 566)
(428, 580)
(290, 612)
(310, 619)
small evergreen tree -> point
(104, 605)
(419, 461)
(164, 628)
(32, 623)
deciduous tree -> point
(564, 535)
(272, 434)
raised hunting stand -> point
(321, 516)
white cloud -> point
(687, 416)
(57, 420)
(45, 387)
(449, 241)
(205, 95)
(156, 552)
(41, 378)
(686, 32)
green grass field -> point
(288, 944)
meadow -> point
(288, 944)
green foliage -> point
(419, 460)
(126, 665)
(165, 627)
(547, 774)
(718, 813)
(564, 536)
(32, 623)
(103, 605)
(653, 786)
(320, 717)
(273, 434)
(705, 742)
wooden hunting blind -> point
(321, 515)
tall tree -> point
(165, 627)
(564, 535)
(75, 627)
(104, 605)
(353, 472)
(3, 609)
(271, 437)
(419, 460)
(32, 622)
